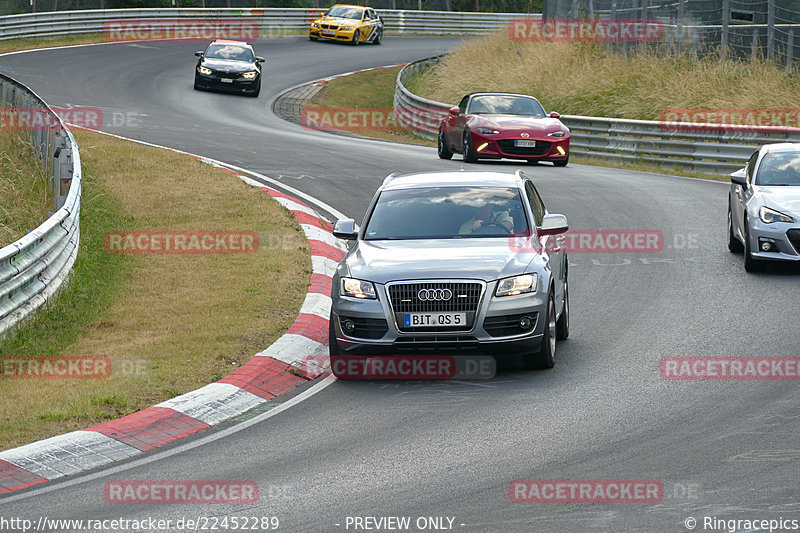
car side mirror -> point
(553, 114)
(260, 59)
(553, 225)
(345, 229)
(739, 177)
(199, 53)
(454, 111)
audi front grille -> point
(435, 297)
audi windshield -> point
(447, 213)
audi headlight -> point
(559, 133)
(205, 70)
(487, 131)
(250, 75)
(517, 285)
(768, 216)
(357, 288)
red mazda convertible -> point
(503, 125)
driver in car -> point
(484, 216)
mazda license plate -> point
(524, 143)
(430, 320)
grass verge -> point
(30, 43)
(373, 90)
(589, 79)
(168, 323)
(25, 195)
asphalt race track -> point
(724, 449)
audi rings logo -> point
(434, 295)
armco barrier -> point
(272, 21)
(33, 268)
(708, 148)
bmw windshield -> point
(227, 51)
(345, 13)
(447, 213)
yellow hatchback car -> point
(352, 24)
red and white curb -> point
(266, 375)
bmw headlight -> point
(517, 285)
(357, 288)
(487, 131)
(559, 133)
(768, 216)
(250, 75)
(347, 28)
(205, 70)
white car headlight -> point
(517, 285)
(357, 288)
(559, 133)
(768, 216)
(205, 70)
(250, 75)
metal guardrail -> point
(709, 148)
(34, 267)
(271, 21)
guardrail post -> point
(770, 29)
(679, 27)
(754, 44)
(726, 20)
(790, 49)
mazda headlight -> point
(768, 216)
(559, 133)
(357, 288)
(250, 75)
(205, 70)
(487, 131)
(517, 285)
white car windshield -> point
(779, 169)
(447, 213)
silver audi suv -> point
(453, 262)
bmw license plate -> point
(524, 143)
(226, 80)
(328, 32)
(430, 320)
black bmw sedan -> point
(230, 66)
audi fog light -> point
(517, 285)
